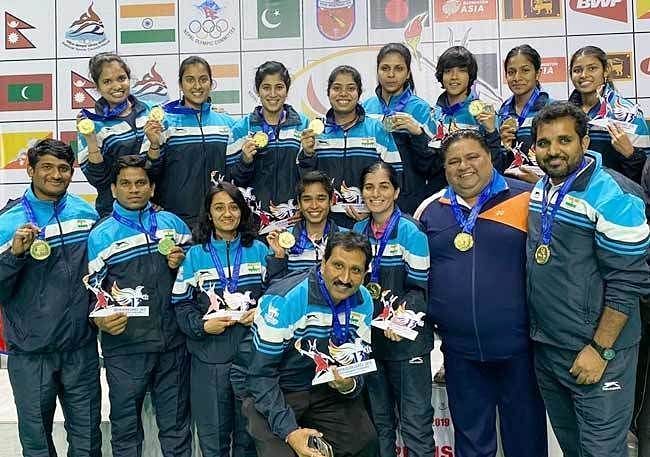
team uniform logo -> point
(211, 26)
(86, 33)
(152, 88)
(335, 18)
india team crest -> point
(335, 18)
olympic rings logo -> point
(209, 28)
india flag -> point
(142, 23)
(225, 84)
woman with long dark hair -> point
(617, 128)
(218, 285)
(398, 285)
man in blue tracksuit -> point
(52, 346)
(586, 269)
(477, 299)
(307, 324)
(133, 254)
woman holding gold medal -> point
(120, 125)
(196, 141)
(216, 291)
(398, 286)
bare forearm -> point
(610, 326)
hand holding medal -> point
(508, 131)
(24, 239)
(86, 126)
(308, 136)
(485, 114)
(273, 240)
(175, 254)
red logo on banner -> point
(645, 66)
(615, 10)
(335, 18)
(553, 70)
(465, 10)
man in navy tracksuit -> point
(477, 299)
(52, 346)
(127, 258)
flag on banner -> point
(14, 38)
(14, 146)
(391, 14)
(148, 23)
(224, 73)
(70, 137)
(643, 9)
(275, 19)
(25, 92)
(80, 97)
(531, 9)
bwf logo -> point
(615, 10)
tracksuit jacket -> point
(194, 152)
(600, 140)
(293, 309)
(273, 174)
(116, 137)
(598, 249)
(418, 158)
(120, 258)
(343, 154)
(44, 302)
(404, 270)
(477, 298)
(191, 303)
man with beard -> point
(586, 269)
(314, 194)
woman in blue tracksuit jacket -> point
(400, 264)
(596, 95)
(121, 127)
(196, 140)
(269, 170)
(224, 270)
(408, 117)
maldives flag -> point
(25, 92)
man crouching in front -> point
(307, 325)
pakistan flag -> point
(278, 18)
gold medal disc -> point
(316, 126)
(156, 114)
(260, 139)
(476, 107)
(542, 254)
(374, 289)
(286, 240)
(166, 245)
(40, 250)
(86, 126)
(487, 108)
(511, 122)
(464, 241)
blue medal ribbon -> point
(266, 127)
(383, 241)
(153, 223)
(31, 217)
(399, 105)
(303, 240)
(467, 223)
(548, 217)
(340, 334)
(229, 284)
(107, 113)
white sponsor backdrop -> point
(44, 78)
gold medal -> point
(40, 250)
(476, 107)
(487, 108)
(316, 126)
(286, 240)
(464, 241)
(166, 245)
(86, 126)
(156, 114)
(542, 254)
(374, 289)
(511, 122)
(260, 139)
(388, 123)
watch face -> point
(608, 354)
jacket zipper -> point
(478, 339)
(155, 268)
(228, 259)
(203, 152)
(65, 255)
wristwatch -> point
(606, 353)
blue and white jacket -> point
(343, 154)
(194, 152)
(116, 137)
(599, 246)
(404, 270)
(44, 302)
(418, 158)
(197, 275)
(121, 259)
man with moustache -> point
(477, 238)
(586, 269)
(314, 194)
(300, 321)
(134, 254)
(52, 346)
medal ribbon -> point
(303, 240)
(383, 241)
(153, 223)
(268, 129)
(547, 218)
(467, 223)
(31, 217)
(340, 334)
(107, 113)
(229, 284)
(399, 105)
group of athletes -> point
(248, 258)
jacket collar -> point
(498, 185)
(177, 107)
(316, 298)
(218, 243)
(137, 107)
(44, 205)
(292, 117)
(133, 214)
(392, 101)
(329, 117)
